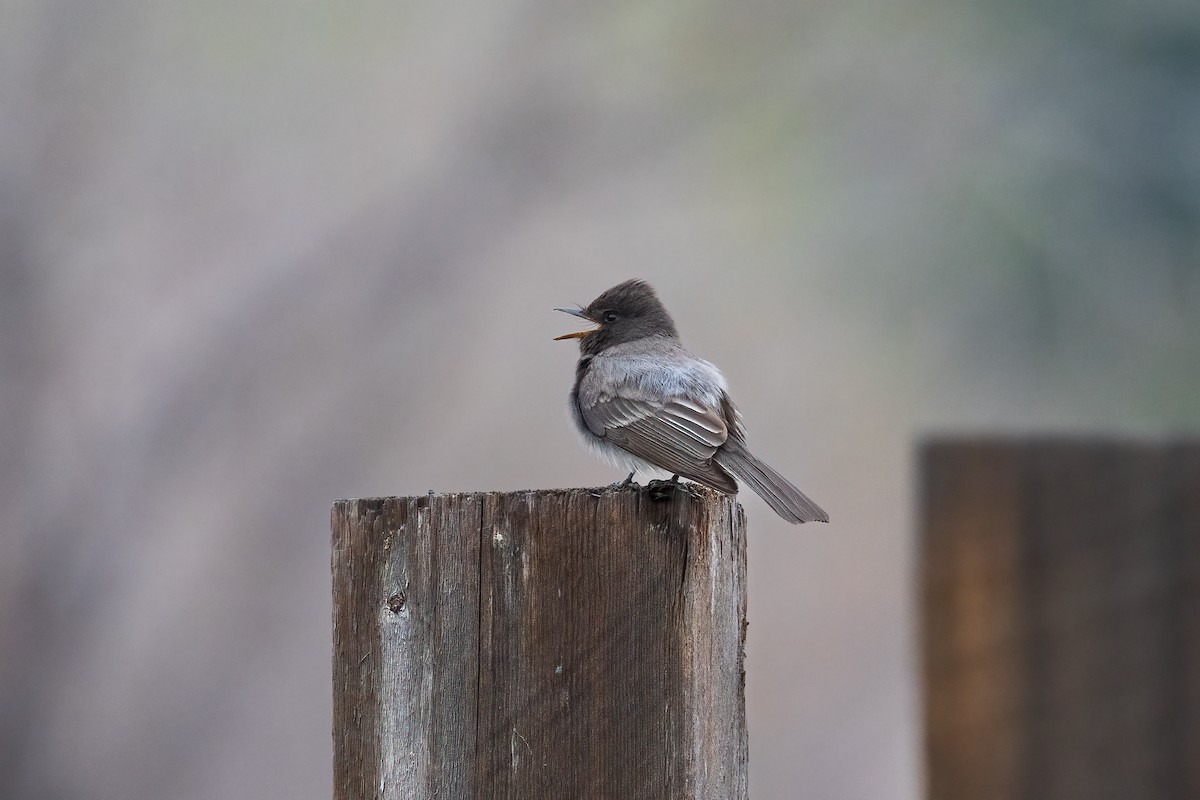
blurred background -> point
(257, 257)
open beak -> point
(578, 334)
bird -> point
(640, 399)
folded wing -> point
(678, 435)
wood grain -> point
(1061, 608)
(582, 643)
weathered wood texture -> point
(1061, 601)
(551, 644)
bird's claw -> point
(629, 481)
(662, 490)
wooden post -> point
(1061, 602)
(546, 644)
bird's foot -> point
(661, 491)
(629, 481)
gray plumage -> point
(641, 399)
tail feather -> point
(787, 501)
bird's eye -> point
(611, 316)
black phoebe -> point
(641, 399)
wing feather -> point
(679, 435)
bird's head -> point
(625, 313)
